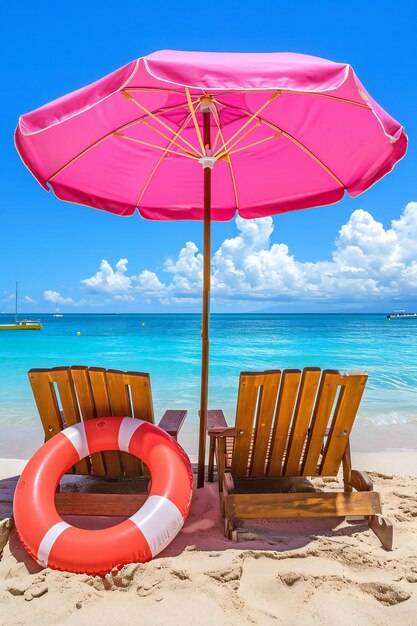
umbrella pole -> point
(206, 307)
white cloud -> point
(187, 270)
(124, 298)
(29, 300)
(178, 300)
(149, 283)
(56, 298)
(249, 264)
(109, 280)
(368, 262)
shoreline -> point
(390, 449)
(389, 462)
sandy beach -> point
(288, 572)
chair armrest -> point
(360, 481)
(223, 431)
(172, 420)
(215, 419)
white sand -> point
(11, 467)
(290, 572)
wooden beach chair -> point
(288, 425)
(67, 395)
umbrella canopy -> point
(280, 131)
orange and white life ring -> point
(56, 544)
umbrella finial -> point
(206, 103)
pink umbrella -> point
(272, 132)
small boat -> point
(21, 324)
(402, 315)
(57, 313)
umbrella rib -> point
(153, 116)
(159, 132)
(155, 90)
(152, 145)
(255, 143)
(196, 126)
(298, 143)
(252, 117)
(111, 134)
(363, 105)
(223, 153)
(216, 139)
(311, 154)
(229, 160)
(180, 129)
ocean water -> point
(168, 347)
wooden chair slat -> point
(141, 402)
(344, 416)
(82, 385)
(245, 416)
(99, 390)
(301, 420)
(46, 402)
(118, 393)
(290, 380)
(92, 393)
(102, 405)
(329, 385)
(141, 395)
(266, 409)
(103, 504)
(318, 504)
(61, 376)
(117, 384)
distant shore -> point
(247, 313)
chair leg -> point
(347, 469)
(230, 530)
(380, 525)
(210, 475)
(383, 529)
(222, 507)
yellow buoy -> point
(143, 323)
(78, 332)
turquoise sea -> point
(168, 347)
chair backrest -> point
(67, 395)
(294, 423)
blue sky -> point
(49, 49)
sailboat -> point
(21, 324)
(57, 313)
